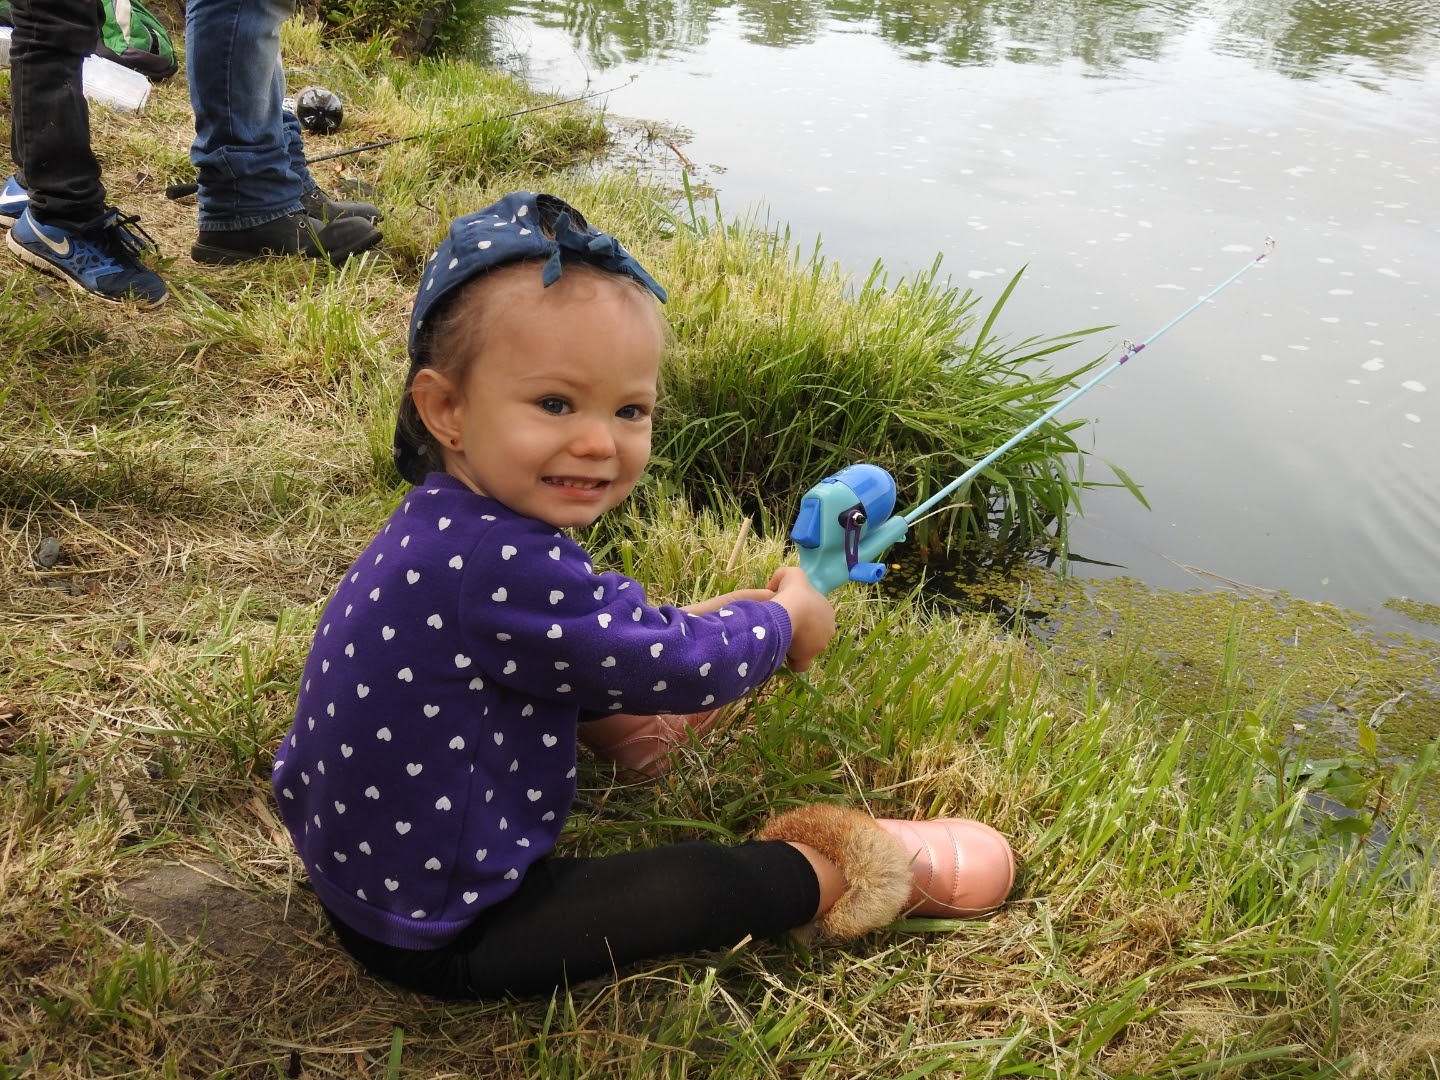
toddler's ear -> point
(437, 401)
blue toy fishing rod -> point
(834, 530)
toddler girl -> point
(431, 765)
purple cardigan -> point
(432, 758)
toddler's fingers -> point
(751, 594)
(715, 603)
(779, 576)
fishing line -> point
(180, 191)
(1131, 350)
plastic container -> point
(115, 85)
(103, 81)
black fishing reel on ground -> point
(319, 110)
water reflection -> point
(1307, 38)
(1128, 154)
(1301, 38)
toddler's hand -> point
(715, 603)
(812, 619)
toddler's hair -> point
(455, 339)
(446, 332)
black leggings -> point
(574, 919)
(49, 119)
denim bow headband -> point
(520, 226)
(523, 225)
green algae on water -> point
(1327, 670)
(1320, 669)
(1418, 610)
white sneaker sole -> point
(42, 263)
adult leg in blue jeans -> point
(257, 197)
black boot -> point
(293, 234)
(319, 205)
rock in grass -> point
(47, 554)
(203, 903)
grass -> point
(209, 471)
(786, 371)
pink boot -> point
(960, 867)
(643, 744)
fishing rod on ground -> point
(181, 191)
(846, 521)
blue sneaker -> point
(102, 258)
(13, 201)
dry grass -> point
(210, 469)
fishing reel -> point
(845, 525)
(319, 109)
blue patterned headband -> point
(523, 225)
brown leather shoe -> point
(961, 867)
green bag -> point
(131, 35)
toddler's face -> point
(555, 413)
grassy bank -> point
(209, 470)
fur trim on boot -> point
(876, 867)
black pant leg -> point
(50, 120)
(575, 919)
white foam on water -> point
(1372, 365)
(1342, 292)
(1268, 358)
(1412, 418)
(1415, 385)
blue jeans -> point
(49, 120)
(248, 155)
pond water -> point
(1130, 155)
